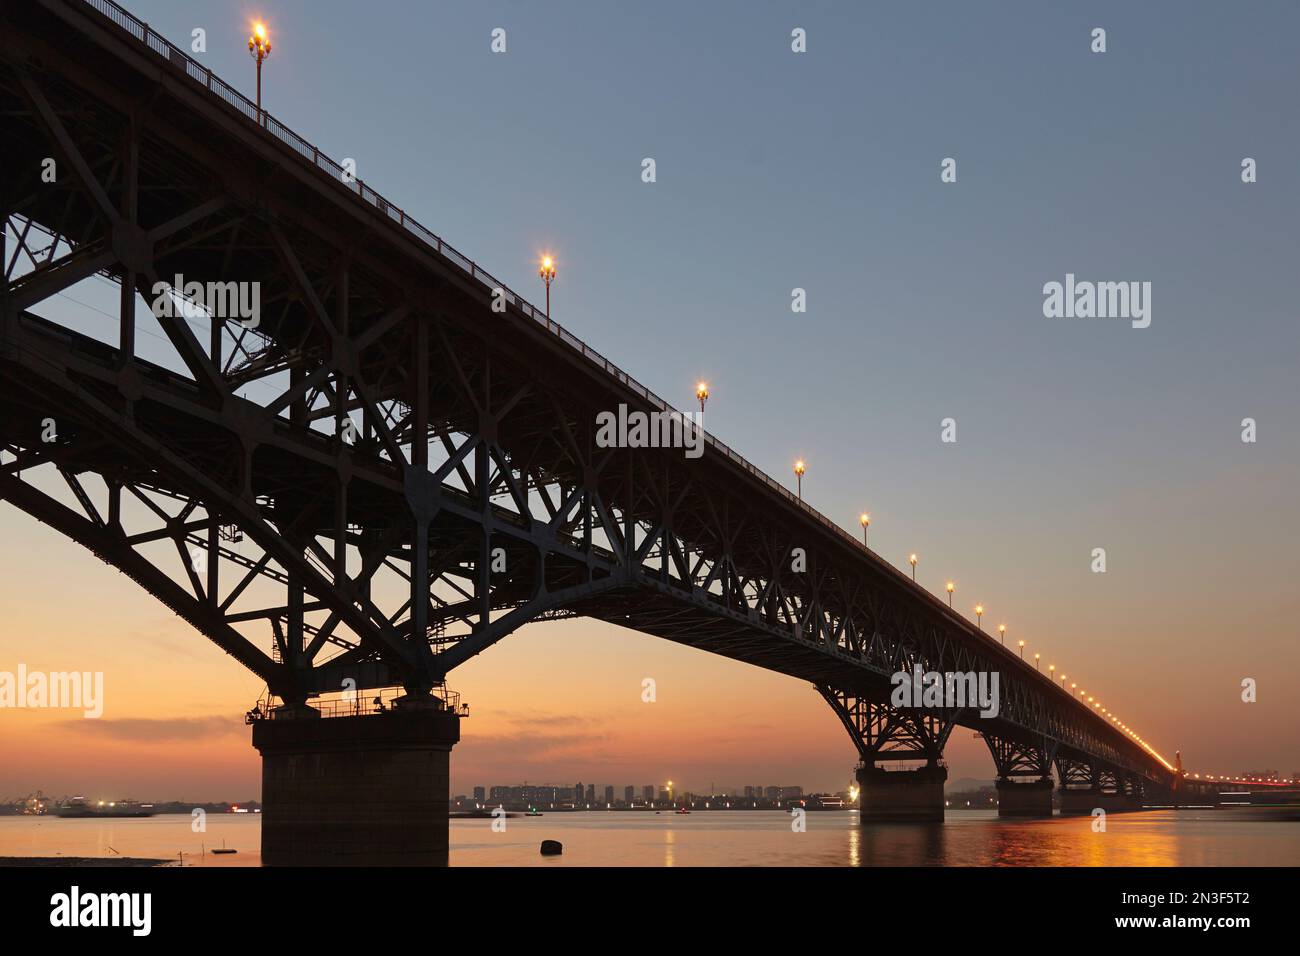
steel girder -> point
(1013, 758)
(473, 496)
(883, 733)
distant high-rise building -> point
(749, 792)
(577, 793)
(648, 793)
(609, 793)
(591, 793)
(773, 793)
(480, 794)
(629, 795)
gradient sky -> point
(818, 171)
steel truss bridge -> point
(387, 475)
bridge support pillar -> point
(1084, 801)
(1032, 798)
(367, 790)
(909, 796)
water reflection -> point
(903, 844)
(736, 838)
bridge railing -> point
(178, 58)
(356, 704)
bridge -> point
(395, 463)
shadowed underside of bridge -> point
(387, 474)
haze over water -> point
(730, 838)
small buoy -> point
(552, 848)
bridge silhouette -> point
(396, 465)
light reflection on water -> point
(733, 838)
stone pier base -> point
(908, 796)
(367, 790)
(1031, 798)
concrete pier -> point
(1084, 801)
(907, 796)
(367, 790)
(1030, 798)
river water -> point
(729, 838)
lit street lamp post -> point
(702, 393)
(979, 615)
(911, 558)
(1002, 634)
(1022, 650)
(259, 47)
(951, 587)
(547, 272)
(799, 469)
(864, 519)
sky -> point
(820, 170)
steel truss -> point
(390, 473)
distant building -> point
(591, 793)
(749, 793)
(773, 793)
(609, 794)
(577, 793)
(648, 793)
(480, 794)
(629, 795)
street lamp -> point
(951, 587)
(702, 393)
(259, 47)
(799, 469)
(547, 272)
(911, 559)
(979, 615)
(1022, 650)
(1002, 634)
(1036, 656)
(864, 519)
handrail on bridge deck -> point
(359, 703)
